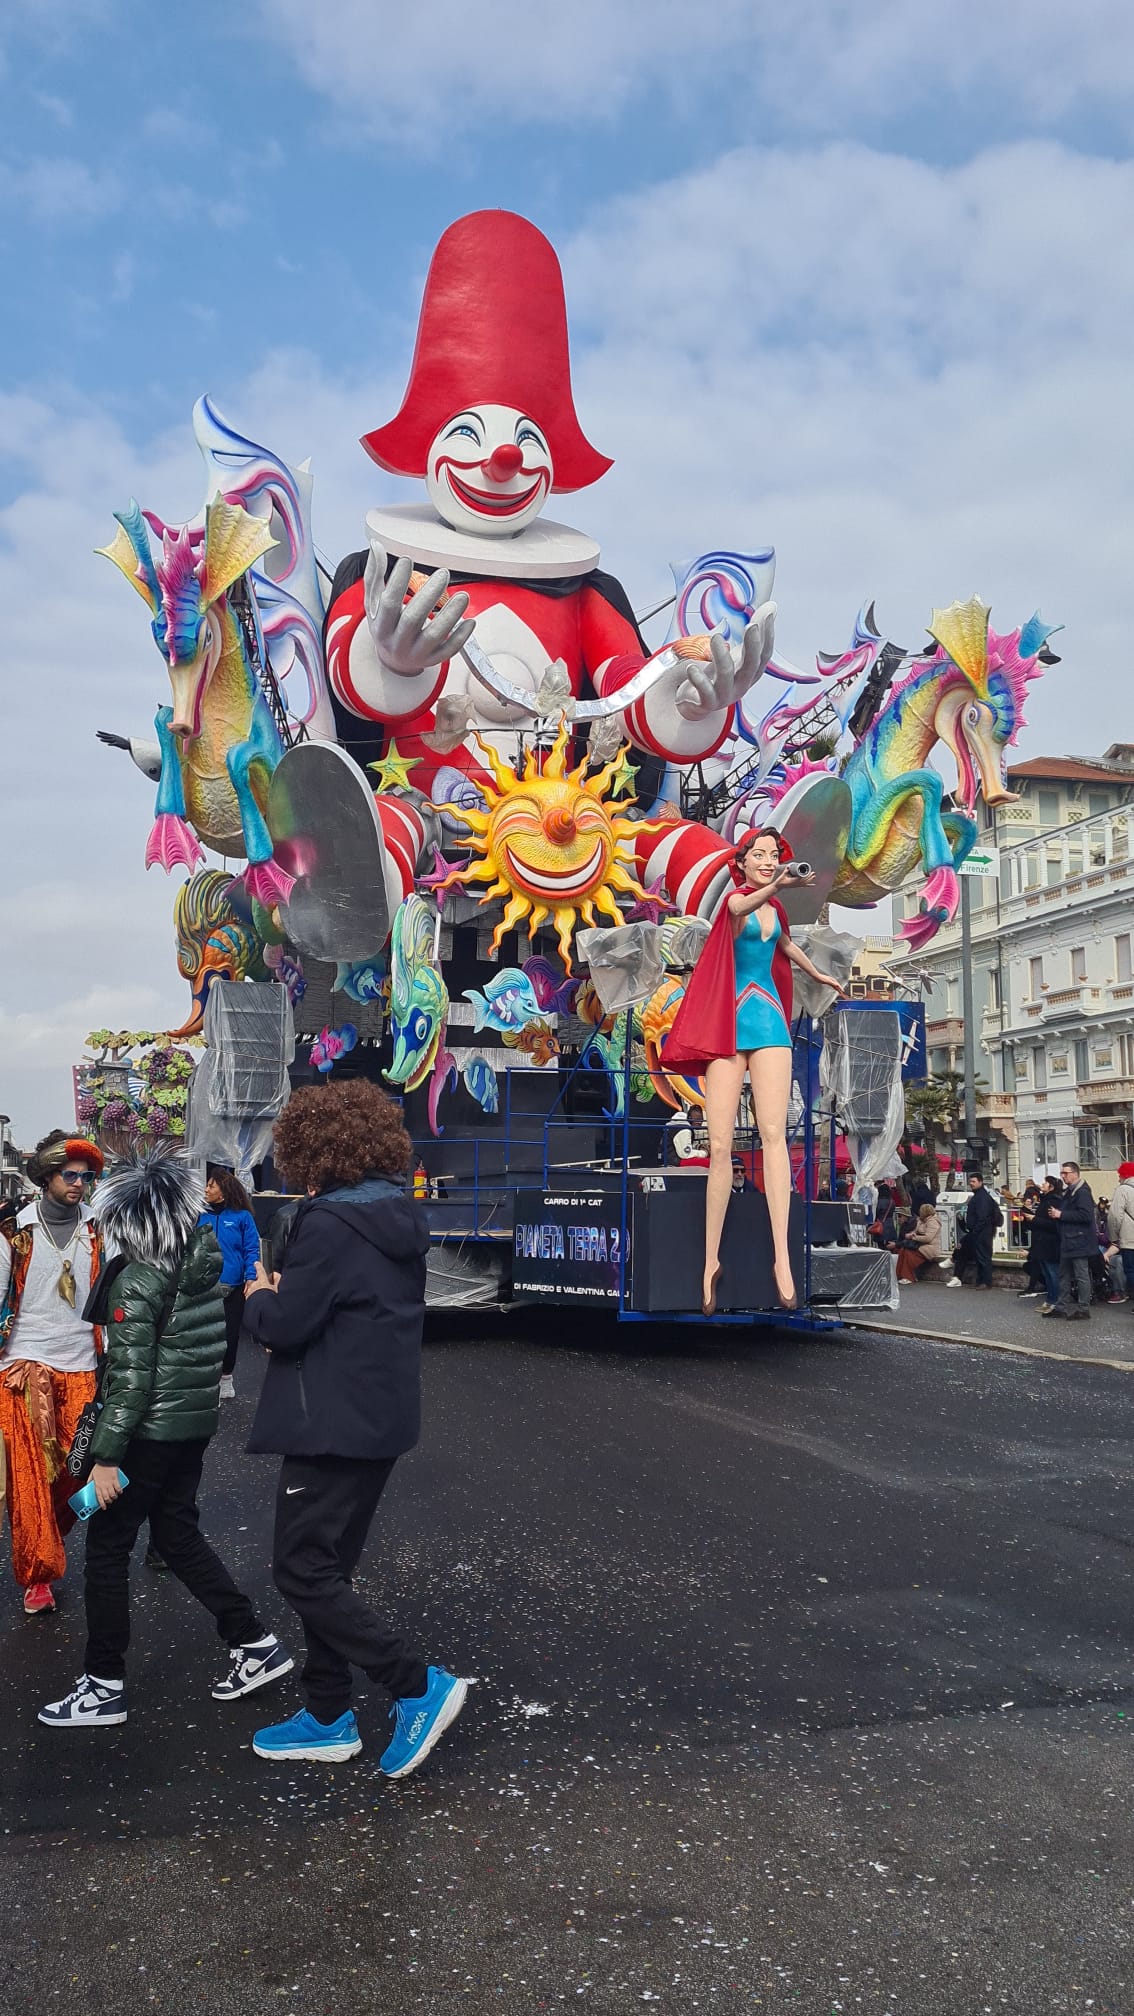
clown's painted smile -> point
(492, 503)
(489, 469)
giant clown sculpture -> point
(488, 420)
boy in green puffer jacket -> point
(161, 1306)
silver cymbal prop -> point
(814, 818)
(326, 833)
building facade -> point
(1052, 979)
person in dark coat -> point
(159, 1301)
(1078, 1243)
(341, 1402)
(1043, 1251)
(982, 1217)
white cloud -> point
(58, 190)
(818, 65)
(913, 381)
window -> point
(1122, 966)
(1040, 1068)
(1078, 965)
(1035, 978)
(993, 980)
(1089, 1145)
(1048, 808)
(1053, 864)
(1082, 1062)
(1046, 1150)
(1096, 848)
(1119, 840)
(1098, 801)
(1075, 855)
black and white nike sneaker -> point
(91, 1704)
(253, 1666)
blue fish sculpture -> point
(480, 1079)
(361, 980)
(508, 1001)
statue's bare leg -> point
(723, 1080)
(770, 1073)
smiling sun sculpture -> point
(551, 841)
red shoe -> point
(38, 1598)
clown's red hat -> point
(493, 331)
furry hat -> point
(55, 1150)
(149, 1204)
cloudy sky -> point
(854, 281)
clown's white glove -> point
(408, 637)
(712, 684)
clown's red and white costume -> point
(488, 420)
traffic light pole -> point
(969, 1031)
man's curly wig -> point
(328, 1135)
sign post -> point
(985, 862)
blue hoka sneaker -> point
(303, 1739)
(419, 1721)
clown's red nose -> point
(504, 462)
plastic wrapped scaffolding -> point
(862, 1066)
(241, 1084)
(626, 963)
(854, 1277)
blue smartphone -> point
(83, 1503)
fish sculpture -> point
(556, 995)
(362, 980)
(331, 1044)
(508, 1001)
(481, 1080)
(419, 998)
(217, 938)
(537, 1039)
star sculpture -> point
(438, 877)
(624, 777)
(653, 908)
(392, 773)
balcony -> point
(1107, 1092)
(1077, 1000)
(947, 1032)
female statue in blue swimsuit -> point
(763, 1050)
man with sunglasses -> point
(48, 1355)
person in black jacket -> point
(1044, 1247)
(1078, 1241)
(341, 1402)
(982, 1218)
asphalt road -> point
(804, 1684)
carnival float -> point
(445, 817)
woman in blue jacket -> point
(230, 1218)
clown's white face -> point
(488, 470)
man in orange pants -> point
(48, 1355)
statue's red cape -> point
(705, 1024)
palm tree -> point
(934, 1107)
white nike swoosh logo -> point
(293, 1490)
